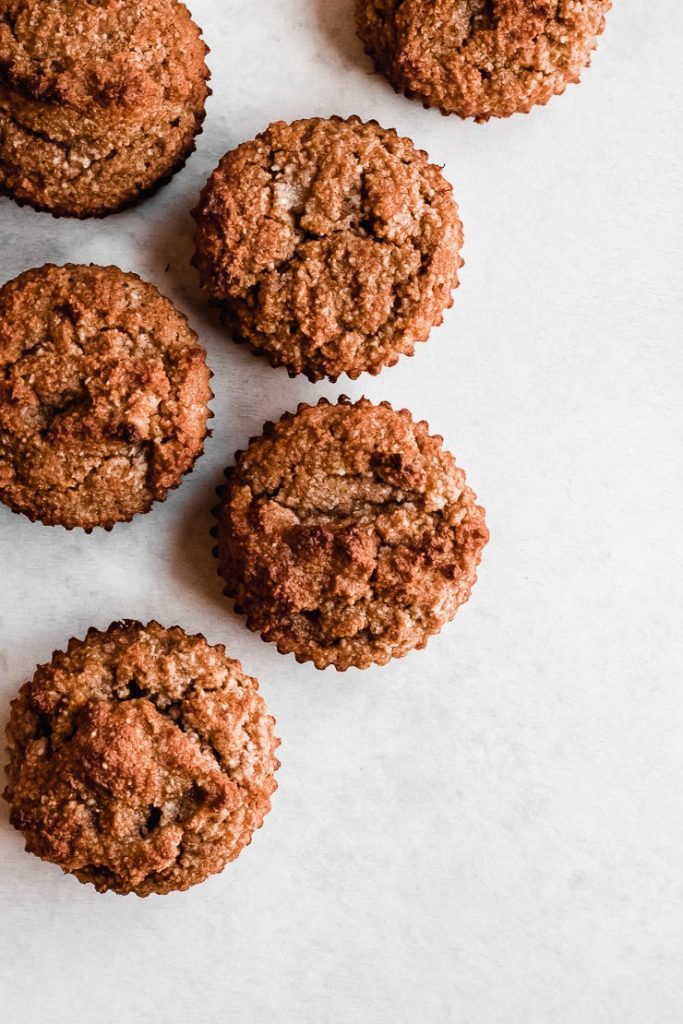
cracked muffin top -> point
(347, 534)
(100, 100)
(103, 395)
(481, 58)
(141, 759)
(332, 246)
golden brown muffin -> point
(481, 58)
(332, 246)
(141, 759)
(103, 395)
(100, 100)
(347, 534)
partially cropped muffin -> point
(481, 58)
(100, 100)
(347, 534)
(104, 393)
(331, 246)
(141, 759)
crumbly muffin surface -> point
(100, 100)
(332, 246)
(481, 58)
(347, 534)
(141, 759)
(103, 395)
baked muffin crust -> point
(481, 58)
(100, 100)
(141, 759)
(331, 246)
(103, 395)
(347, 534)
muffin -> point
(481, 58)
(331, 246)
(100, 100)
(347, 535)
(141, 759)
(103, 395)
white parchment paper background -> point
(489, 831)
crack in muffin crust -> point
(331, 246)
(100, 102)
(141, 759)
(347, 534)
(481, 58)
(103, 395)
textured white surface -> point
(489, 831)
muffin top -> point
(111, 53)
(100, 100)
(347, 534)
(332, 245)
(481, 58)
(141, 759)
(103, 395)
